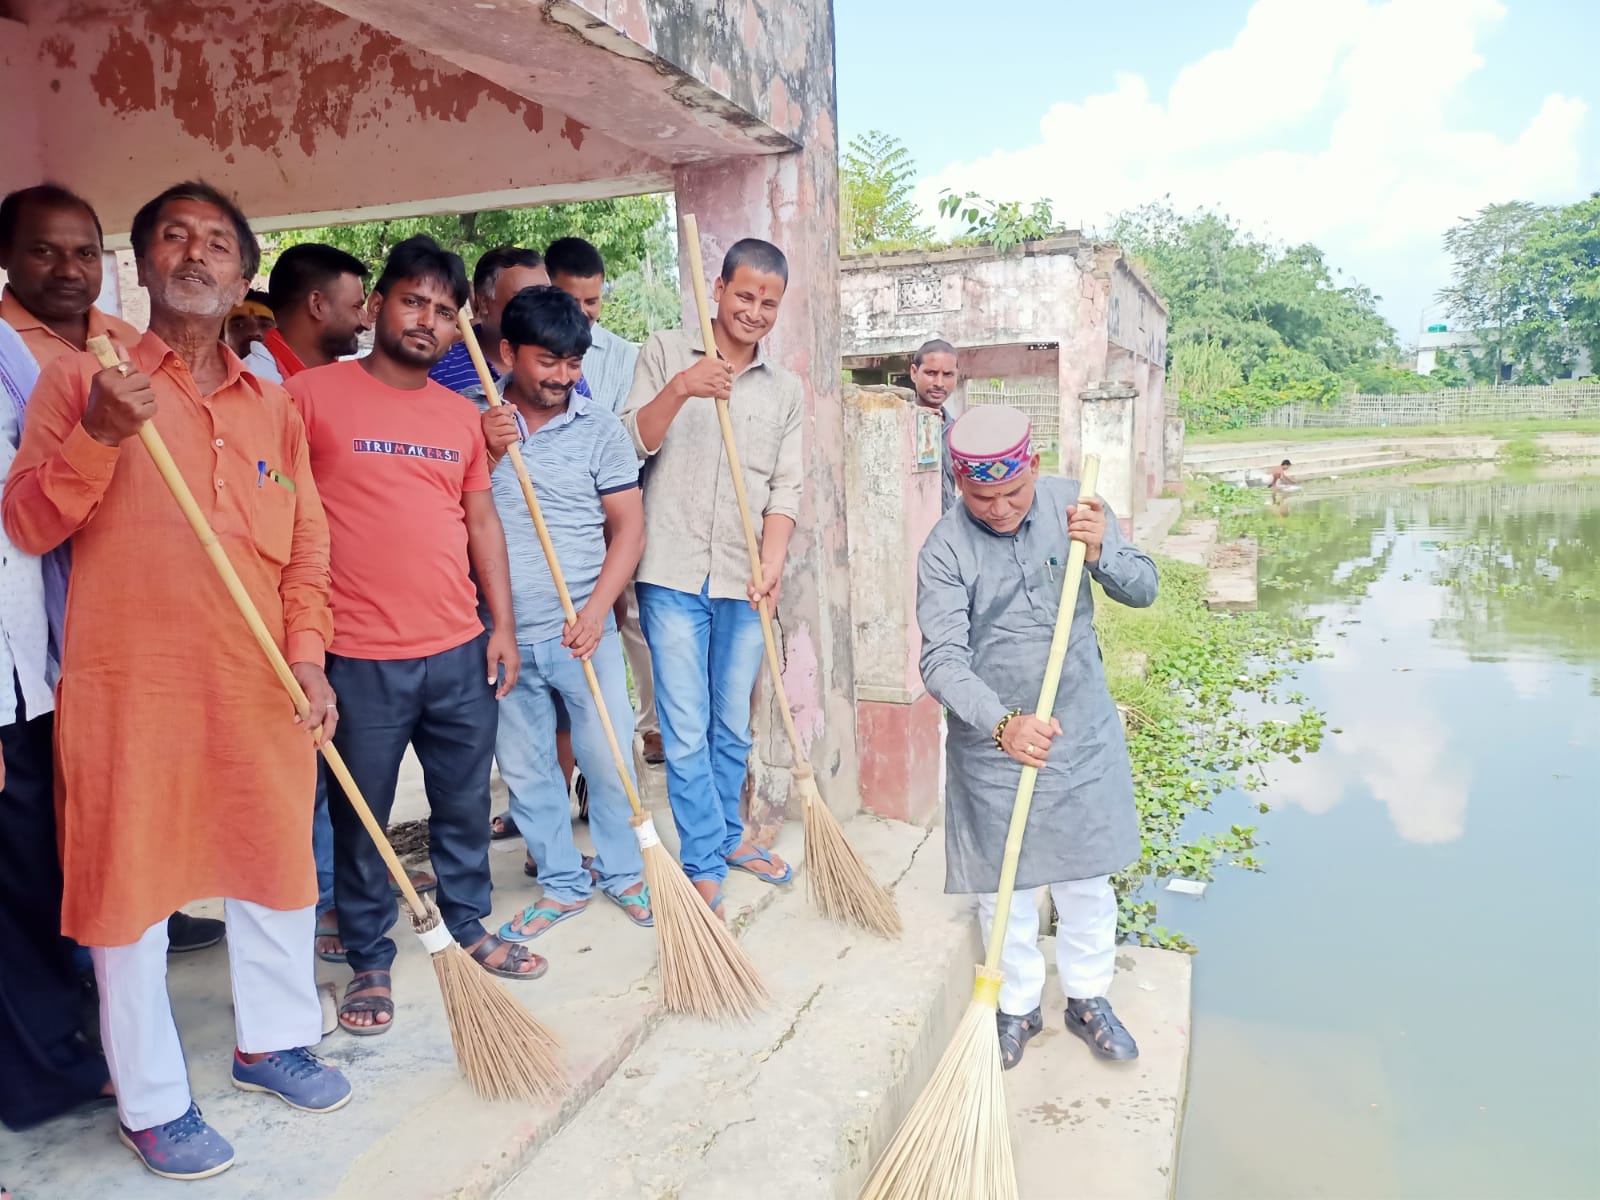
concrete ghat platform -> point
(804, 1096)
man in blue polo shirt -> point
(583, 466)
(499, 275)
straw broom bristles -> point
(836, 878)
(504, 1053)
(703, 970)
(501, 1049)
(955, 1143)
(839, 881)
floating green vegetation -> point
(1183, 675)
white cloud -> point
(1330, 122)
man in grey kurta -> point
(933, 377)
(989, 582)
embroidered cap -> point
(991, 443)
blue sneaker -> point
(187, 1148)
(297, 1077)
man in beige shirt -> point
(697, 602)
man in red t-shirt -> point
(400, 462)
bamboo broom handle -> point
(162, 457)
(1087, 479)
(537, 513)
(697, 272)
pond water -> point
(1406, 1003)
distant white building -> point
(1440, 338)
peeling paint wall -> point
(21, 152)
(971, 296)
(292, 106)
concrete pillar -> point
(1084, 344)
(1172, 450)
(1107, 429)
(892, 497)
(791, 200)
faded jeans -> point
(525, 748)
(706, 655)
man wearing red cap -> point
(989, 584)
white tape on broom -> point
(645, 831)
(435, 939)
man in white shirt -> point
(46, 1065)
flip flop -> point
(532, 913)
(329, 929)
(328, 997)
(632, 906)
(360, 981)
(515, 955)
(760, 854)
(508, 827)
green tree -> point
(1001, 224)
(633, 234)
(1487, 292)
(1276, 317)
(876, 178)
(1556, 291)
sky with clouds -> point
(1368, 127)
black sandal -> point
(1015, 1033)
(516, 955)
(503, 826)
(377, 1005)
(1096, 1024)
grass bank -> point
(1182, 673)
(1506, 429)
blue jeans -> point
(706, 655)
(526, 751)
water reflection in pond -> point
(1405, 1004)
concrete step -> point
(1232, 578)
(1193, 544)
(809, 1092)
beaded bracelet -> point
(1000, 729)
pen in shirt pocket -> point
(1052, 564)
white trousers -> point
(638, 655)
(1086, 942)
(275, 1005)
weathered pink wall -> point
(684, 81)
(21, 154)
(292, 106)
(792, 201)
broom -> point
(504, 1053)
(703, 970)
(955, 1143)
(836, 878)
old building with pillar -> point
(1063, 318)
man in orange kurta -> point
(52, 250)
(185, 772)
